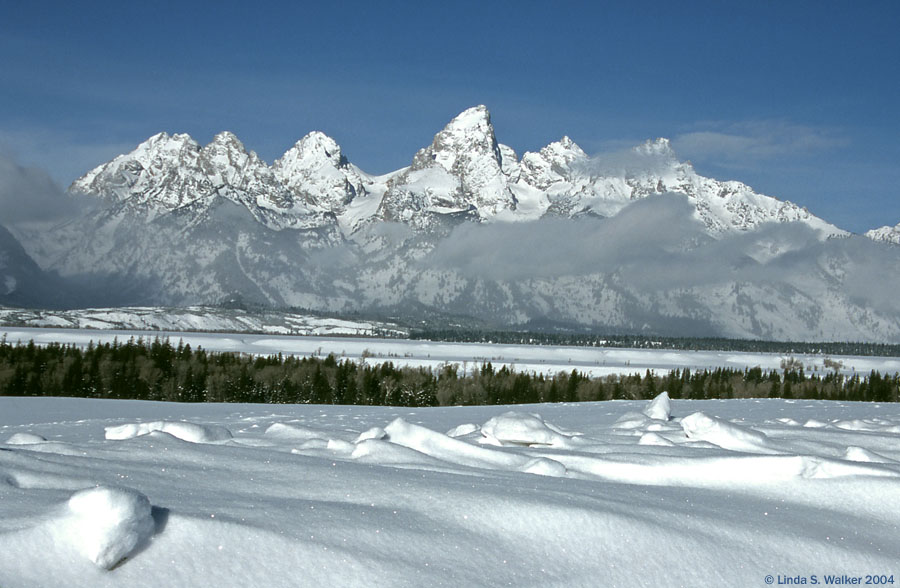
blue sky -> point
(798, 99)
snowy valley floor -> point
(692, 493)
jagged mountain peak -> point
(317, 172)
(315, 149)
(227, 150)
(462, 172)
(474, 119)
(228, 138)
(164, 145)
(887, 234)
(565, 149)
(466, 138)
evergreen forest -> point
(158, 370)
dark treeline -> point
(158, 370)
(654, 342)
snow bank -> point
(106, 524)
(702, 427)
(185, 431)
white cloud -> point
(748, 143)
(63, 155)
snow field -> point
(659, 493)
(544, 359)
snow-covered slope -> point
(196, 318)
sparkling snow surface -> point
(668, 493)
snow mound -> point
(659, 408)
(340, 446)
(293, 432)
(543, 466)
(633, 421)
(702, 427)
(868, 425)
(862, 454)
(462, 430)
(376, 451)
(651, 438)
(106, 524)
(185, 431)
(373, 433)
(814, 424)
(25, 439)
(451, 450)
(519, 428)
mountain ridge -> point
(464, 172)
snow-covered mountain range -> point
(463, 173)
(634, 241)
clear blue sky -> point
(798, 99)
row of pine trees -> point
(157, 370)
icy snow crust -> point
(662, 493)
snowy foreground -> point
(687, 493)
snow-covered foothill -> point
(106, 523)
(191, 432)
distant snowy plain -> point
(681, 493)
(545, 359)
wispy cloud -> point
(751, 142)
(657, 245)
(29, 194)
(65, 156)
